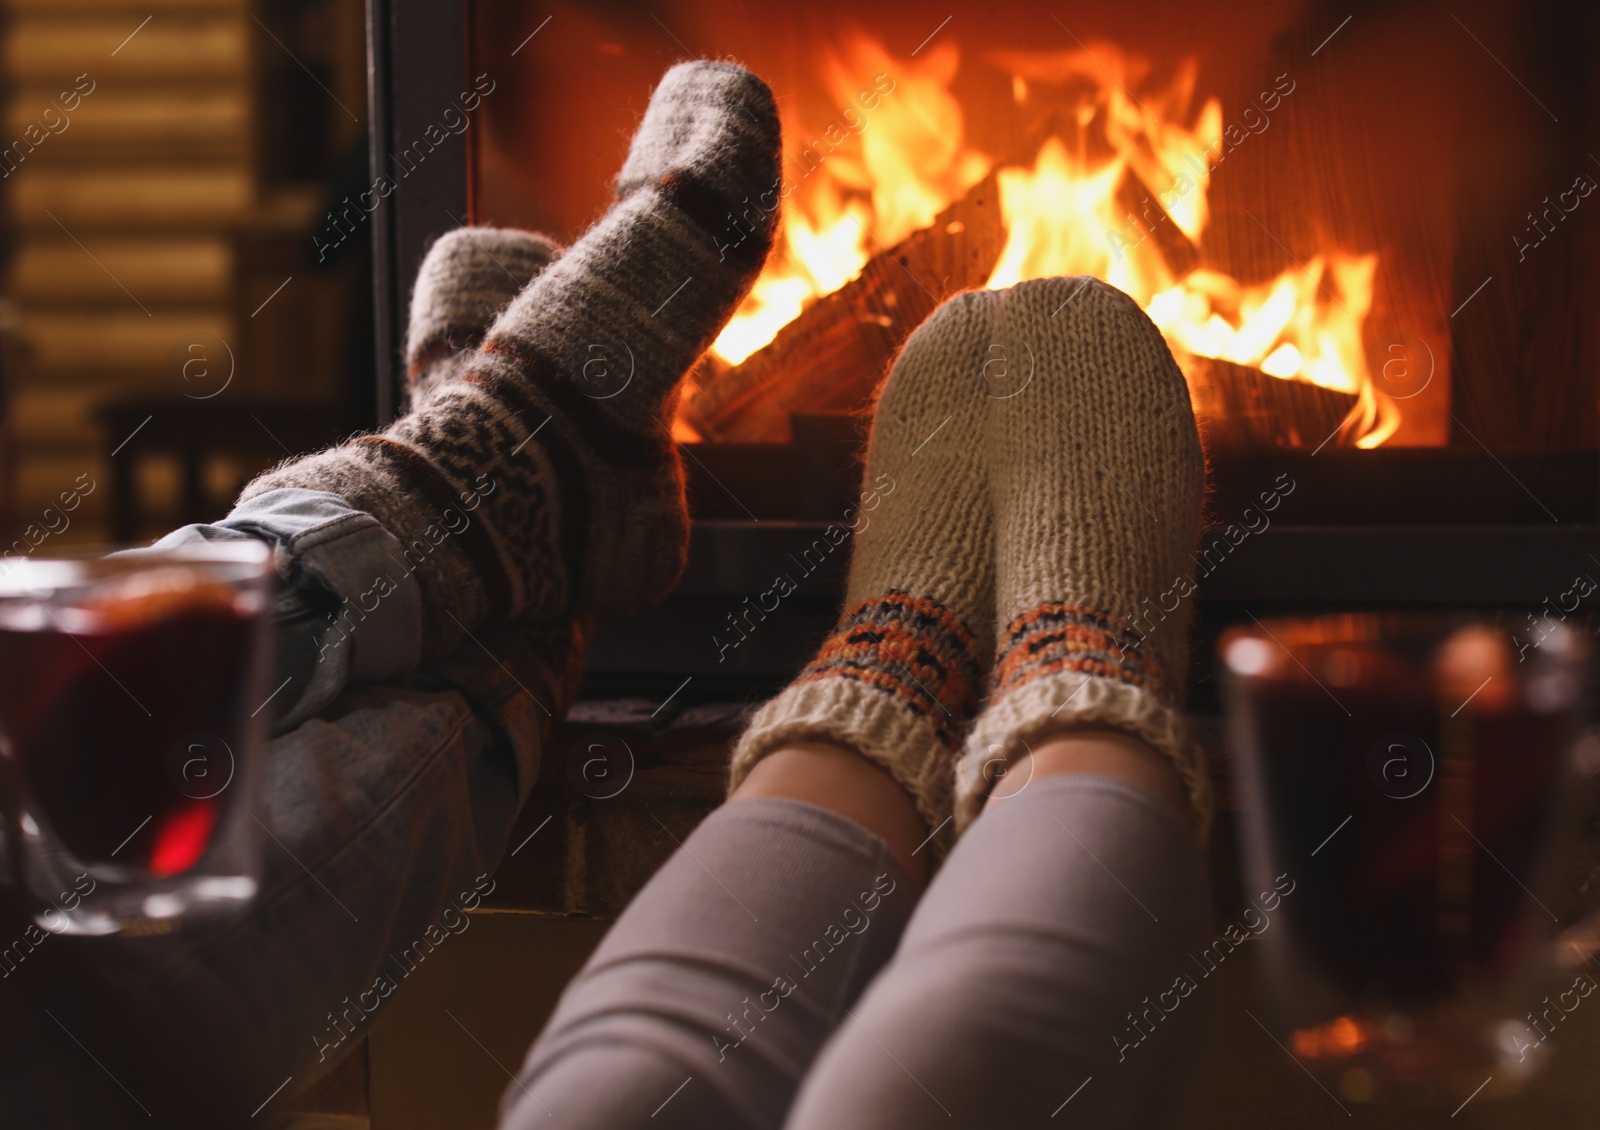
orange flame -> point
(893, 168)
(854, 191)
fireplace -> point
(1410, 179)
(1370, 235)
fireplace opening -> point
(1369, 233)
(1373, 260)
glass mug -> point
(1406, 771)
(131, 689)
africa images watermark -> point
(754, 610)
(1553, 612)
(854, 117)
(35, 534)
(353, 1014)
(1218, 545)
(1582, 985)
(451, 522)
(36, 932)
(1233, 135)
(54, 119)
(1542, 227)
(351, 214)
(853, 920)
(1152, 1013)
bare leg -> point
(842, 781)
(1109, 753)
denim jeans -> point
(387, 798)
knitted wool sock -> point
(1097, 476)
(467, 278)
(901, 675)
(544, 478)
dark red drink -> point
(1405, 772)
(126, 702)
(103, 721)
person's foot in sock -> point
(467, 278)
(543, 478)
(1097, 478)
(903, 671)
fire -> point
(900, 161)
(1118, 191)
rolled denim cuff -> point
(325, 545)
(350, 554)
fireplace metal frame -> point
(417, 63)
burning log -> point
(1147, 219)
(831, 358)
(1241, 408)
(833, 355)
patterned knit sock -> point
(902, 673)
(543, 478)
(467, 278)
(1097, 477)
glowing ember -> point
(1123, 199)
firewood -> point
(833, 355)
(1242, 408)
(1147, 219)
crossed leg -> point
(510, 502)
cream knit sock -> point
(902, 674)
(1097, 477)
(467, 278)
(544, 478)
